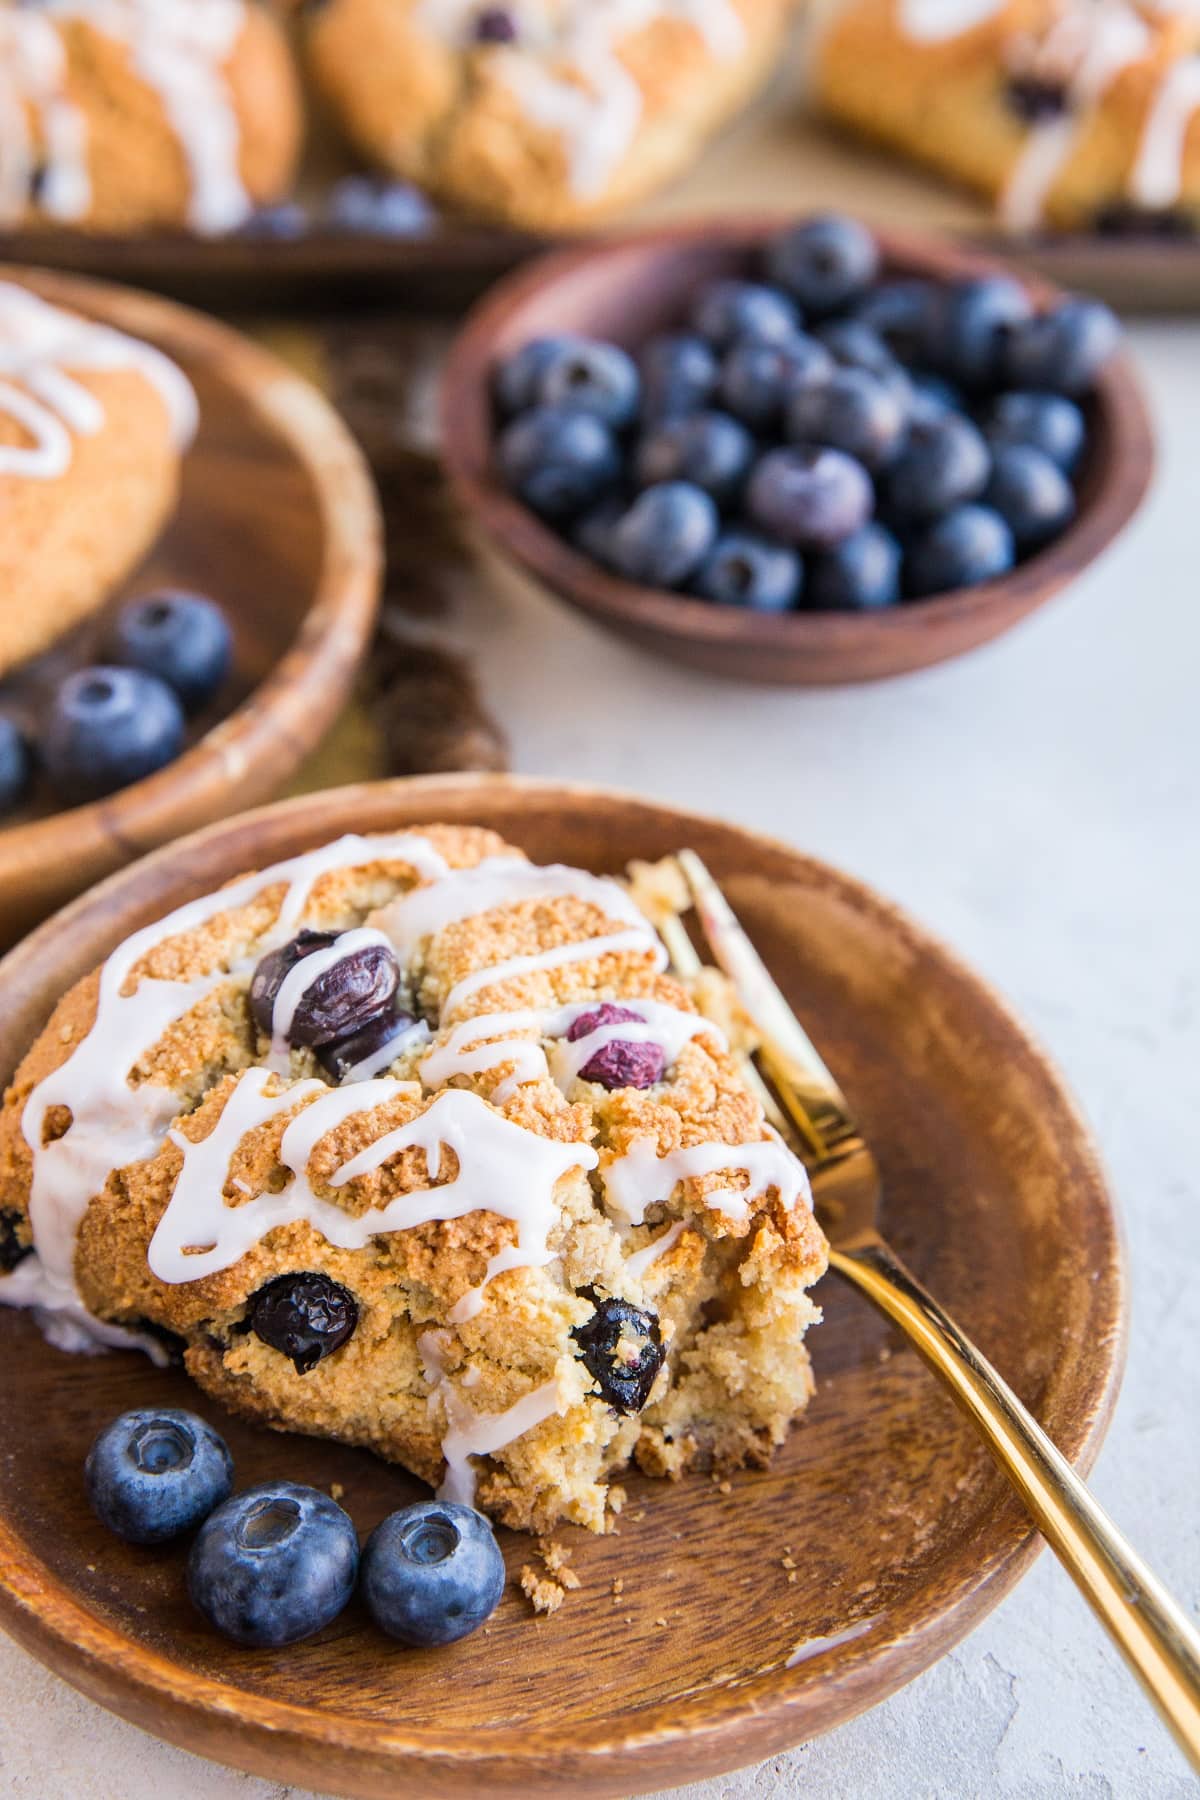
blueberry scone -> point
(130, 115)
(543, 114)
(412, 1143)
(1069, 113)
(93, 427)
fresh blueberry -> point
(515, 382)
(16, 764)
(826, 263)
(730, 312)
(1062, 351)
(679, 375)
(432, 1573)
(380, 208)
(665, 535)
(904, 315)
(1031, 494)
(151, 1476)
(756, 379)
(932, 393)
(861, 574)
(854, 411)
(589, 376)
(558, 459)
(809, 496)
(184, 639)
(965, 546)
(623, 1062)
(595, 532)
(107, 727)
(745, 570)
(856, 346)
(279, 223)
(305, 1316)
(944, 461)
(709, 448)
(495, 25)
(1046, 422)
(621, 1347)
(977, 318)
(273, 1565)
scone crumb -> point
(336, 1491)
(788, 1562)
(555, 1559)
(618, 1587)
(725, 1487)
(662, 1624)
(543, 1595)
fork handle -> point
(1155, 1637)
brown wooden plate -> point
(718, 1625)
(278, 522)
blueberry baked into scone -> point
(93, 427)
(130, 115)
(543, 114)
(413, 1143)
(1073, 114)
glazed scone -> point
(413, 1144)
(1074, 114)
(135, 115)
(543, 114)
(93, 427)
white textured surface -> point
(1037, 805)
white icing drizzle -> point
(304, 975)
(932, 21)
(496, 882)
(615, 943)
(641, 1178)
(38, 345)
(1157, 176)
(469, 1433)
(642, 1261)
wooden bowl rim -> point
(1111, 493)
(152, 1690)
(340, 616)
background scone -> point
(517, 1221)
(93, 425)
(541, 113)
(135, 115)
(1069, 113)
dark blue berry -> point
(377, 207)
(826, 263)
(279, 223)
(16, 764)
(1031, 494)
(730, 312)
(679, 375)
(515, 380)
(495, 25)
(432, 1573)
(904, 315)
(370, 1040)
(976, 320)
(854, 411)
(273, 1565)
(621, 1347)
(151, 1476)
(305, 1316)
(1046, 422)
(809, 496)
(665, 535)
(1062, 351)
(708, 448)
(558, 459)
(184, 639)
(856, 346)
(966, 546)
(623, 1062)
(592, 377)
(342, 999)
(934, 394)
(595, 531)
(107, 727)
(861, 574)
(944, 461)
(756, 379)
(750, 571)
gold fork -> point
(1155, 1637)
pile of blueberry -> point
(277, 1563)
(357, 205)
(117, 721)
(814, 436)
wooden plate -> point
(278, 521)
(715, 1651)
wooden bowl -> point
(278, 521)
(714, 1651)
(624, 289)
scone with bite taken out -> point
(414, 1144)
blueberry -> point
(809, 496)
(1046, 422)
(432, 1573)
(1064, 350)
(853, 411)
(273, 1565)
(976, 319)
(903, 314)
(273, 969)
(861, 574)
(707, 448)
(665, 535)
(1031, 493)
(679, 375)
(730, 312)
(621, 1347)
(965, 546)
(623, 1063)
(594, 533)
(515, 381)
(745, 570)
(108, 727)
(592, 377)
(16, 764)
(278, 223)
(340, 1000)
(380, 208)
(304, 1316)
(339, 1058)
(855, 346)
(558, 459)
(944, 461)
(151, 1476)
(756, 379)
(932, 394)
(182, 638)
(13, 1248)
(826, 263)
(495, 25)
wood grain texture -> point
(278, 522)
(890, 1510)
(628, 288)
